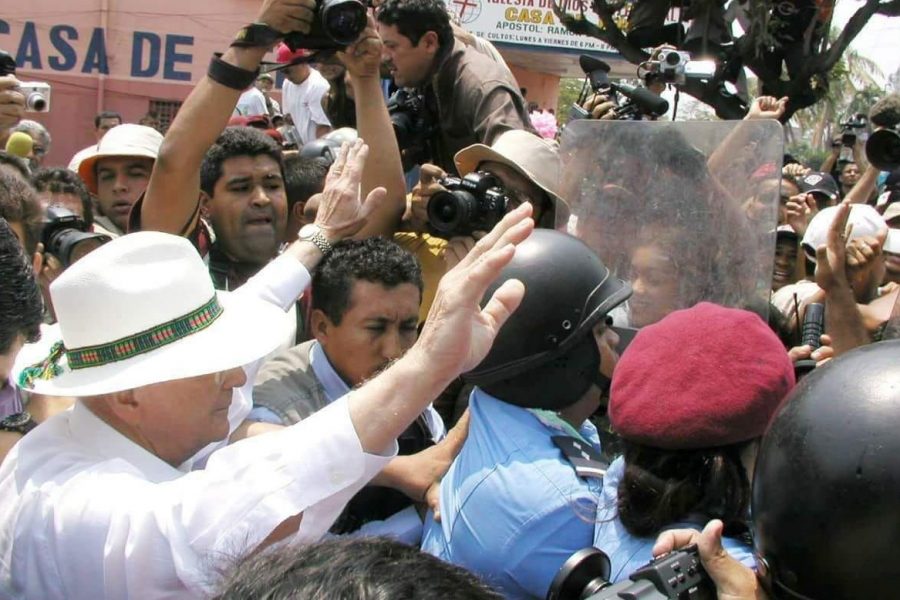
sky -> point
(879, 39)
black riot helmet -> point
(827, 481)
(545, 355)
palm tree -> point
(856, 83)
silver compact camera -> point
(675, 67)
(37, 96)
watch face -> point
(15, 420)
(307, 231)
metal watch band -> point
(321, 243)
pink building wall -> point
(122, 54)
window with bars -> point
(164, 111)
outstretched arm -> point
(170, 203)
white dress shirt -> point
(86, 513)
(304, 103)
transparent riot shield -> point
(685, 211)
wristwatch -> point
(18, 423)
(313, 233)
(256, 35)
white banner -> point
(525, 22)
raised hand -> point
(341, 211)
(287, 15)
(458, 333)
(767, 107)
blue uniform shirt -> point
(627, 552)
(512, 508)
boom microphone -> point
(647, 100)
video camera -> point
(414, 125)
(337, 24)
(883, 146)
(675, 66)
(37, 93)
(677, 575)
(66, 237)
(639, 101)
(475, 202)
(851, 128)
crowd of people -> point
(286, 351)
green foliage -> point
(806, 154)
(569, 90)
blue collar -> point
(332, 383)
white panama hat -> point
(122, 140)
(142, 309)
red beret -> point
(701, 377)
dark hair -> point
(106, 114)
(375, 259)
(19, 204)
(57, 180)
(303, 177)
(413, 18)
(664, 487)
(235, 141)
(21, 307)
(339, 107)
(19, 164)
(362, 569)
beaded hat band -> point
(124, 348)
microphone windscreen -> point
(19, 144)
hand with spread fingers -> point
(341, 211)
(458, 333)
(733, 580)
(288, 15)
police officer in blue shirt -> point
(521, 497)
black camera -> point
(337, 24)
(852, 128)
(476, 202)
(883, 149)
(677, 575)
(66, 237)
(414, 126)
(638, 101)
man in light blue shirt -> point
(365, 309)
(521, 497)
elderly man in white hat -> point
(117, 172)
(96, 501)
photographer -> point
(472, 97)
(12, 106)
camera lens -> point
(343, 20)
(673, 58)
(883, 149)
(36, 102)
(450, 213)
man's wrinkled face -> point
(248, 208)
(408, 64)
(654, 279)
(378, 327)
(178, 418)
(106, 125)
(519, 188)
(120, 182)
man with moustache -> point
(365, 314)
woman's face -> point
(654, 280)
